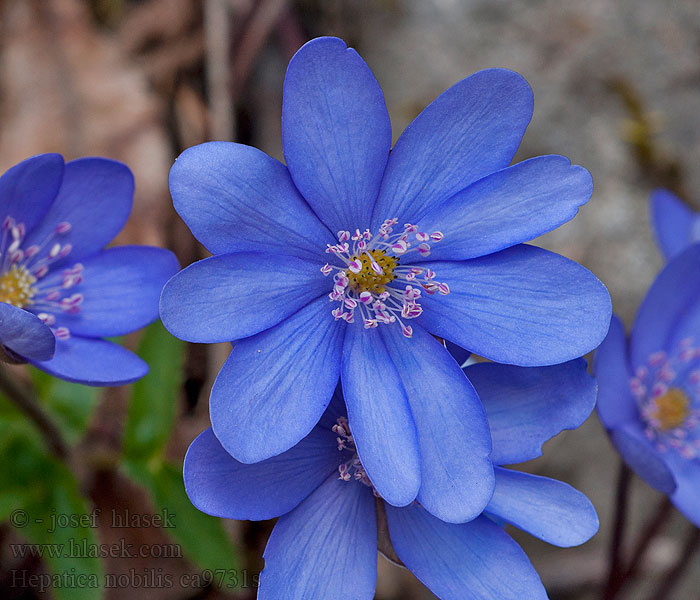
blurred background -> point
(617, 89)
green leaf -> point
(153, 405)
(202, 537)
(34, 488)
(70, 405)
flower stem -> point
(615, 573)
(650, 532)
(669, 582)
(27, 403)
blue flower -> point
(649, 386)
(60, 292)
(424, 240)
(325, 542)
(676, 226)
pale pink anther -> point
(47, 318)
(411, 311)
(430, 274)
(399, 247)
(355, 266)
(436, 236)
(365, 297)
(326, 269)
(62, 333)
(657, 358)
(424, 249)
(55, 249)
(422, 237)
(350, 303)
(343, 236)
(63, 227)
(443, 288)
(370, 323)
(407, 330)
(375, 265)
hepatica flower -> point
(676, 226)
(325, 542)
(344, 262)
(649, 386)
(60, 292)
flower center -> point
(667, 390)
(23, 271)
(671, 409)
(351, 469)
(16, 286)
(372, 279)
(367, 279)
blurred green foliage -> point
(36, 484)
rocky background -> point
(617, 89)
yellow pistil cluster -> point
(368, 280)
(671, 409)
(16, 286)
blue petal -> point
(671, 309)
(466, 133)
(453, 435)
(380, 417)
(121, 287)
(686, 473)
(95, 198)
(93, 362)
(324, 548)
(28, 189)
(522, 306)
(616, 405)
(219, 485)
(477, 558)
(275, 386)
(526, 407)
(674, 223)
(642, 457)
(509, 207)
(235, 198)
(25, 334)
(550, 510)
(336, 132)
(231, 296)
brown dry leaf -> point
(67, 87)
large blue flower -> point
(326, 537)
(60, 292)
(427, 239)
(676, 226)
(649, 387)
